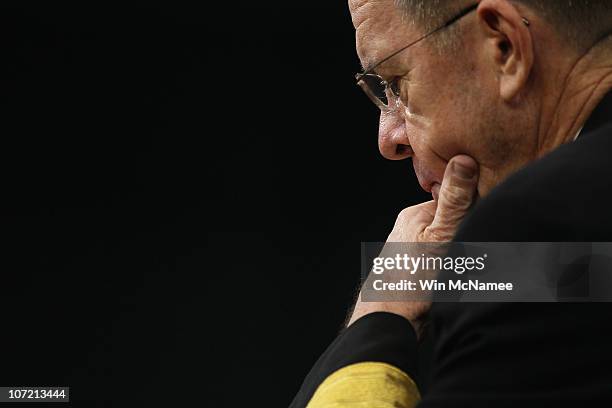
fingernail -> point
(464, 171)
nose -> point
(393, 140)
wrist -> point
(414, 312)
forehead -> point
(380, 29)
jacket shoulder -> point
(561, 197)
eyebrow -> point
(459, 16)
(368, 66)
(371, 67)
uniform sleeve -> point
(376, 354)
(373, 385)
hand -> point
(433, 221)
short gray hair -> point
(580, 22)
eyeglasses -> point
(386, 95)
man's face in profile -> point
(450, 100)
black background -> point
(184, 193)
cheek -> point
(438, 134)
(442, 123)
(446, 136)
(434, 121)
(427, 159)
(443, 129)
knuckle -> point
(405, 213)
(457, 198)
(437, 234)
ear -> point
(508, 45)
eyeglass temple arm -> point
(463, 13)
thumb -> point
(456, 195)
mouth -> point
(426, 180)
(435, 191)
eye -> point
(394, 86)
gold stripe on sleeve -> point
(369, 384)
